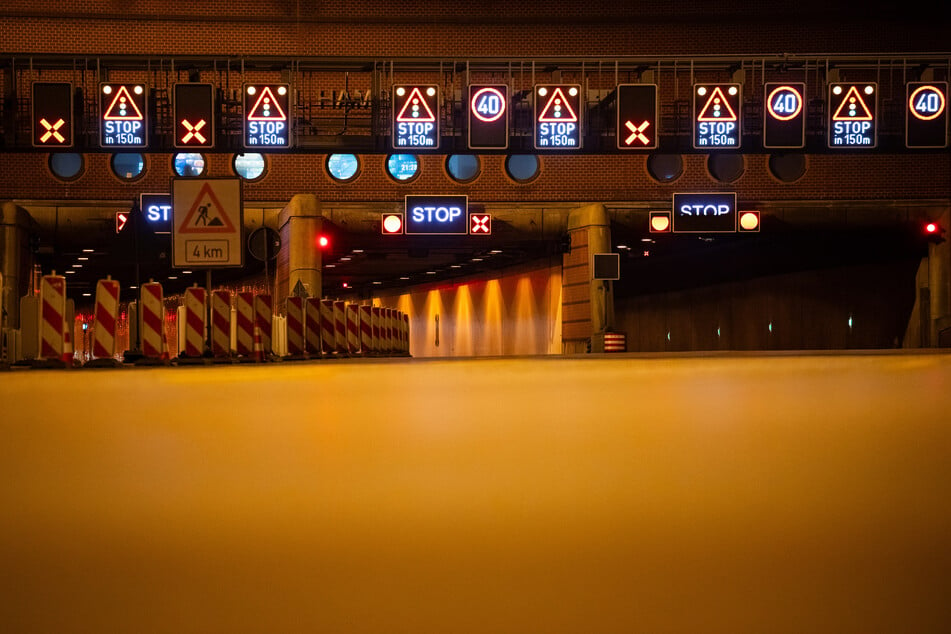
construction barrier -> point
(152, 307)
(294, 307)
(327, 328)
(377, 323)
(353, 329)
(244, 324)
(104, 329)
(405, 330)
(340, 327)
(312, 326)
(615, 342)
(264, 320)
(195, 321)
(221, 323)
(366, 329)
(52, 317)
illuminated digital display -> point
(717, 116)
(557, 117)
(415, 117)
(157, 210)
(194, 116)
(488, 117)
(52, 114)
(637, 116)
(852, 110)
(704, 213)
(480, 224)
(437, 215)
(784, 122)
(267, 116)
(926, 115)
(123, 116)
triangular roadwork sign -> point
(206, 215)
(557, 99)
(724, 114)
(123, 98)
(862, 113)
(267, 98)
(416, 98)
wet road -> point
(631, 494)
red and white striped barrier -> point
(340, 327)
(264, 320)
(153, 320)
(312, 326)
(244, 324)
(294, 307)
(366, 329)
(405, 331)
(391, 330)
(327, 326)
(221, 323)
(195, 321)
(52, 317)
(377, 324)
(258, 351)
(353, 328)
(107, 319)
(615, 342)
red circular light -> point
(931, 227)
(323, 241)
(393, 223)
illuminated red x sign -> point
(193, 131)
(480, 223)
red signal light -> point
(934, 232)
(323, 241)
(931, 227)
(392, 224)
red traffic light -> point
(934, 232)
(323, 241)
(392, 224)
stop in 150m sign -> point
(415, 117)
(267, 116)
(123, 116)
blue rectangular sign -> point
(437, 215)
(123, 116)
(157, 210)
(704, 213)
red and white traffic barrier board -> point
(327, 328)
(52, 317)
(312, 326)
(387, 334)
(107, 319)
(244, 322)
(294, 308)
(340, 326)
(376, 323)
(221, 323)
(263, 319)
(366, 329)
(195, 311)
(153, 320)
(353, 328)
(406, 333)
(615, 342)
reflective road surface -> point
(759, 493)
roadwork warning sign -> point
(206, 222)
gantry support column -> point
(299, 260)
(15, 264)
(939, 288)
(587, 304)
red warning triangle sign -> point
(206, 215)
(718, 106)
(855, 106)
(416, 99)
(552, 112)
(123, 107)
(269, 107)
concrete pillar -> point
(299, 260)
(14, 260)
(587, 304)
(939, 287)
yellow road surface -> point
(686, 494)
